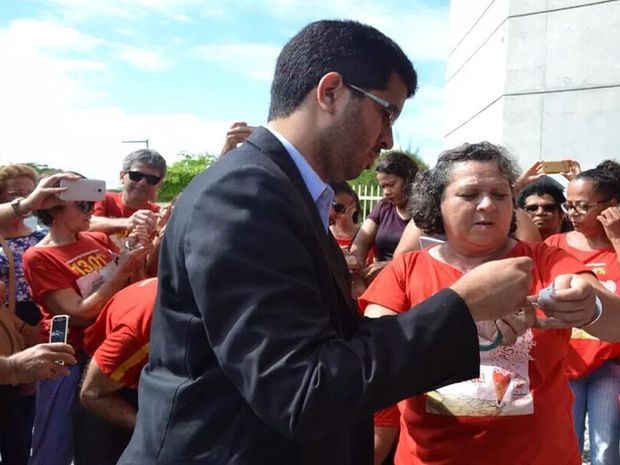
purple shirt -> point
(391, 227)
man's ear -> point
(330, 92)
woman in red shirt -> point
(592, 365)
(518, 410)
(73, 272)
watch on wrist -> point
(15, 204)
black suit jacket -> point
(257, 353)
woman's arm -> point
(526, 229)
(69, 302)
(572, 305)
(363, 241)
(410, 240)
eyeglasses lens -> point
(138, 176)
(338, 207)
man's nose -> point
(387, 139)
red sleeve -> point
(388, 289)
(552, 261)
(389, 416)
(122, 355)
(101, 207)
(43, 273)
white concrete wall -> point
(541, 77)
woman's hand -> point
(529, 176)
(373, 270)
(132, 259)
(574, 168)
(610, 219)
(45, 195)
(572, 303)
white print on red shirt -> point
(502, 389)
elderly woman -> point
(518, 409)
(71, 272)
(387, 220)
(592, 365)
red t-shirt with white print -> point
(70, 266)
(517, 411)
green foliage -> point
(181, 172)
(42, 168)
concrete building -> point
(541, 77)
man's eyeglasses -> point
(391, 111)
(138, 176)
(546, 207)
(581, 207)
(85, 206)
(338, 207)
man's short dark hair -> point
(542, 186)
(429, 185)
(148, 157)
(361, 54)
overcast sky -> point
(78, 77)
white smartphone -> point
(59, 330)
(90, 190)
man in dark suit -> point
(257, 353)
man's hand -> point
(40, 362)
(144, 218)
(570, 305)
(238, 132)
(497, 288)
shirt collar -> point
(322, 194)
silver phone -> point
(90, 190)
(59, 331)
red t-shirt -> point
(518, 410)
(53, 268)
(586, 352)
(112, 207)
(119, 339)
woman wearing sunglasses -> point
(387, 220)
(71, 272)
(593, 366)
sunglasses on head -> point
(85, 206)
(546, 207)
(338, 207)
(138, 176)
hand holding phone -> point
(59, 331)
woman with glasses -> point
(17, 402)
(71, 272)
(593, 366)
(386, 222)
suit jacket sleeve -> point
(250, 264)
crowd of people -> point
(473, 314)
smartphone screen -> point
(60, 328)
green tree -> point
(181, 172)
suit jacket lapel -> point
(263, 140)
